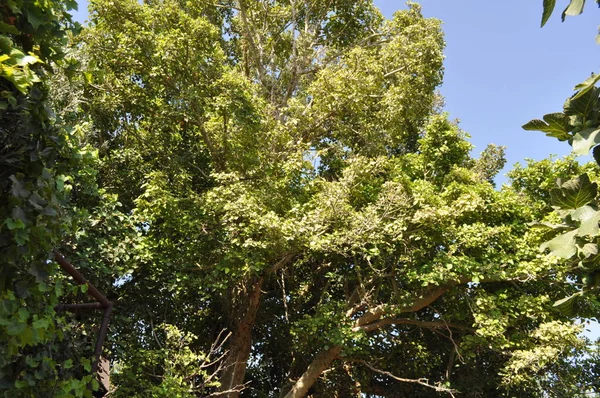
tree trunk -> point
(232, 378)
(312, 373)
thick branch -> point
(375, 313)
(312, 373)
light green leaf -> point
(583, 213)
(589, 250)
(589, 226)
(586, 85)
(574, 193)
(574, 8)
(554, 125)
(562, 246)
(585, 140)
(548, 225)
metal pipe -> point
(92, 291)
(101, 336)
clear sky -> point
(503, 70)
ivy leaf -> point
(554, 125)
(574, 8)
(17, 188)
(563, 245)
(585, 140)
(548, 10)
(574, 193)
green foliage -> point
(43, 166)
(280, 171)
(172, 370)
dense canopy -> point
(272, 195)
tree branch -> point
(422, 381)
(403, 321)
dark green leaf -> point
(554, 125)
(574, 193)
(548, 10)
(582, 103)
(567, 305)
(596, 153)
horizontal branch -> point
(375, 313)
(403, 321)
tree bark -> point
(314, 370)
(232, 378)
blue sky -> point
(503, 70)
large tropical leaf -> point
(562, 246)
(574, 193)
(583, 103)
(554, 125)
(585, 140)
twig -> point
(422, 381)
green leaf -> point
(548, 225)
(13, 224)
(585, 140)
(16, 329)
(586, 85)
(554, 125)
(574, 193)
(567, 304)
(596, 154)
(582, 103)
(589, 250)
(548, 10)
(6, 28)
(574, 8)
(563, 245)
(589, 226)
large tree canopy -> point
(282, 210)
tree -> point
(302, 209)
